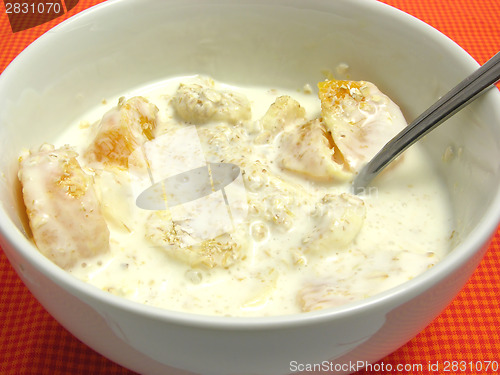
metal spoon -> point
(449, 104)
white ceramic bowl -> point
(119, 45)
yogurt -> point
(267, 241)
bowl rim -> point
(478, 237)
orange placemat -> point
(465, 335)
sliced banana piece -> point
(309, 150)
(121, 131)
(222, 251)
(63, 210)
(285, 111)
(271, 199)
(335, 222)
(200, 102)
(268, 280)
(360, 117)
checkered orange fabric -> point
(32, 342)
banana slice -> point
(122, 130)
(268, 280)
(63, 210)
(336, 221)
(309, 150)
(283, 112)
(200, 102)
(360, 117)
(272, 199)
(222, 251)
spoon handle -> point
(449, 104)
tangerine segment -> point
(360, 118)
(62, 206)
(308, 150)
(122, 130)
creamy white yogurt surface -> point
(405, 231)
